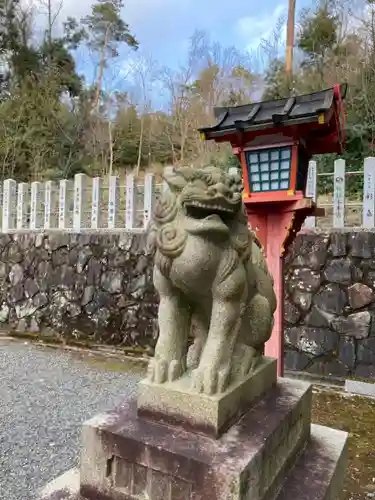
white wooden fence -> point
(344, 210)
(79, 204)
(89, 203)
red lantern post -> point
(274, 142)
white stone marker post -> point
(97, 199)
(9, 205)
(79, 201)
(22, 192)
(113, 201)
(64, 189)
(35, 206)
(49, 203)
(130, 202)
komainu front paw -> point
(161, 370)
(210, 380)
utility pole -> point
(290, 40)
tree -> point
(105, 31)
(212, 76)
(38, 134)
(331, 51)
(18, 57)
(276, 82)
(318, 34)
(318, 40)
(143, 72)
(53, 124)
(30, 129)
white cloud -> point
(61, 10)
(270, 28)
(163, 28)
(135, 11)
(152, 22)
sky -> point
(164, 27)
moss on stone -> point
(355, 415)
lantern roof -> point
(321, 111)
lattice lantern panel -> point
(269, 169)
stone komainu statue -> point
(212, 280)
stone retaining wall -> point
(97, 287)
(329, 304)
(81, 287)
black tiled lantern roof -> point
(298, 110)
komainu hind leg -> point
(257, 329)
(245, 360)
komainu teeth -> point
(208, 207)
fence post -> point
(9, 205)
(149, 196)
(79, 201)
(311, 191)
(64, 187)
(35, 198)
(130, 202)
(49, 203)
(339, 194)
(22, 190)
(96, 208)
(113, 201)
(368, 218)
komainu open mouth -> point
(198, 210)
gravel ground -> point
(45, 395)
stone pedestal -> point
(142, 457)
(174, 403)
(269, 452)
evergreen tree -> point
(105, 32)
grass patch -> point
(355, 415)
(359, 379)
(123, 359)
(129, 365)
(51, 339)
(87, 344)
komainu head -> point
(207, 197)
(201, 201)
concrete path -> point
(45, 395)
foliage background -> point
(54, 123)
